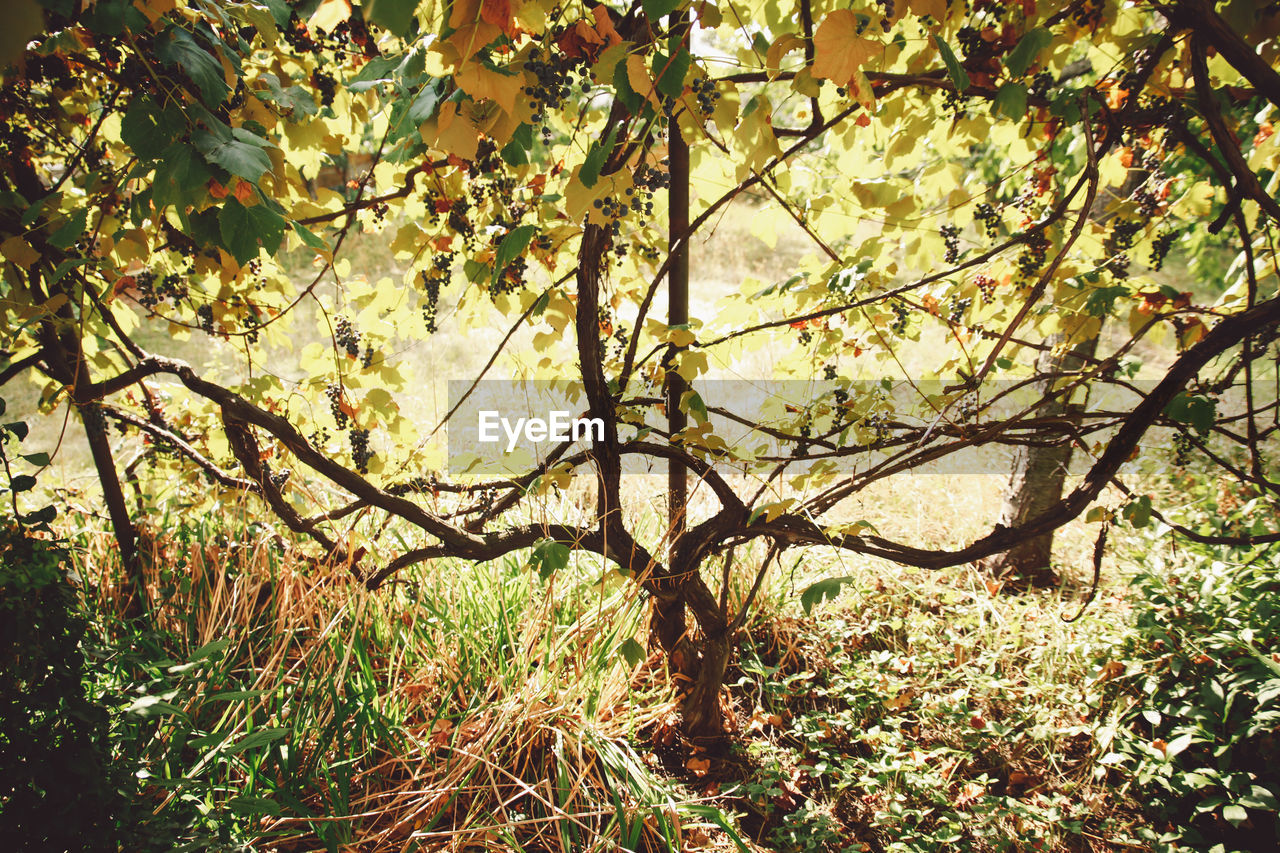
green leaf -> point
(294, 99)
(1011, 100)
(248, 806)
(22, 483)
(655, 9)
(1234, 814)
(395, 15)
(1194, 410)
(1260, 798)
(632, 652)
(516, 152)
(176, 47)
(153, 706)
(476, 272)
(595, 159)
(210, 650)
(38, 459)
(374, 73)
(1028, 47)
(548, 557)
(180, 177)
(958, 75)
(253, 740)
(694, 404)
(280, 10)
(511, 247)
(44, 515)
(669, 70)
(70, 231)
(427, 103)
(1138, 512)
(1177, 745)
(239, 152)
(622, 84)
(828, 588)
(309, 237)
(147, 129)
(246, 229)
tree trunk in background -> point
(1036, 484)
(1039, 473)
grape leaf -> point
(395, 15)
(958, 75)
(236, 150)
(246, 229)
(176, 47)
(1028, 47)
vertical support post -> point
(677, 302)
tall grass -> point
(274, 704)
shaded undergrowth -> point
(271, 703)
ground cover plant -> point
(267, 256)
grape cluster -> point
(488, 159)
(1182, 447)
(52, 68)
(888, 13)
(298, 37)
(951, 237)
(1160, 249)
(1148, 204)
(458, 220)
(989, 217)
(958, 308)
(652, 178)
(432, 280)
(334, 392)
(901, 314)
(986, 286)
(1087, 15)
(346, 336)
(204, 315)
(1040, 84)
(152, 290)
(954, 102)
(510, 279)
(554, 79)
(970, 40)
(370, 354)
(1118, 265)
(1033, 256)
(1124, 232)
(360, 452)
(705, 91)
(325, 85)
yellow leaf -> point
(19, 251)
(486, 84)
(781, 46)
(838, 49)
(454, 133)
(692, 364)
(638, 77)
(329, 14)
(469, 38)
(153, 9)
(936, 9)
